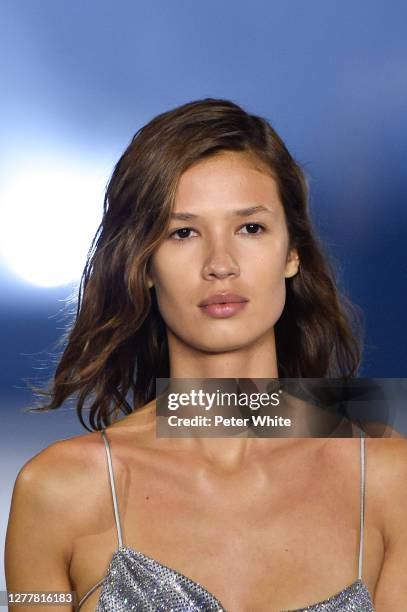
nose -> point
(220, 264)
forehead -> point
(226, 178)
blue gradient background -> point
(82, 77)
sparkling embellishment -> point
(137, 582)
(354, 598)
(146, 585)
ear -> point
(292, 264)
(149, 274)
(150, 282)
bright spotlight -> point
(49, 213)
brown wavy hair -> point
(116, 345)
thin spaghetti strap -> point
(113, 488)
(362, 501)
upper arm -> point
(391, 589)
(38, 542)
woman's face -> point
(219, 247)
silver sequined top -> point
(137, 582)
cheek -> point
(171, 292)
(266, 269)
(268, 286)
(271, 300)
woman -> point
(207, 201)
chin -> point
(224, 345)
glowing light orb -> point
(49, 213)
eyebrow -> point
(241, 212)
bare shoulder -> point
(71, 456)
(386, 473)
(386, 481)
(68, 466)
(52, 505)
(71, 464)
(388, 456)
(56, 477)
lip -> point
(223, 305)
(222, 311)
(223, 298)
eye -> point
(180, 234)
(253, 226)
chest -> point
(282, 537)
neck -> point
(258, 360)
